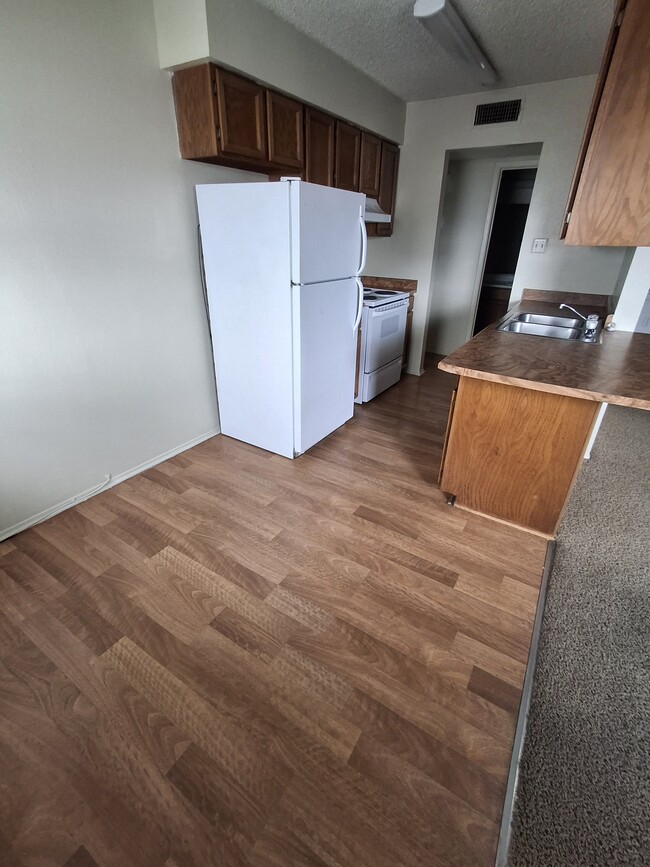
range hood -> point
(374, 212)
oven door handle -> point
(357, 318)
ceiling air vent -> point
(497, 112)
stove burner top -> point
(382, 297)
(376, 294)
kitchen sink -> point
(540, 319)
(558, 331)
(559, 327)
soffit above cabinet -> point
(248, 38)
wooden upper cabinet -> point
(612, 193)
(387, 185)
(319, 147)
(231, 120)
(348, 149)
(196, 108)
(241, 116)
(370, 165)
(285, 130)
(221, 117)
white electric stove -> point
(383, 330)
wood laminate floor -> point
(235, 659)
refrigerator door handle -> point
(357, 319)
(364, 242)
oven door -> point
(384, 337)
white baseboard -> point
(114, 480)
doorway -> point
(467, 210)
(504, 233)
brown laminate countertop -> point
(614, 371)
(402, 284)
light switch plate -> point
(539, 245)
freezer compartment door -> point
(328, 240)
(325, 345)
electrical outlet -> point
(539, 245)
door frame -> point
(501, 167)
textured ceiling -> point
(527, 41)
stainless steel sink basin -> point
(538, 330)
(540, 319)
(559, 327)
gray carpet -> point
(583, 796)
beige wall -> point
(182, 31)
(250, 38)
(553, 114)
(468, 190)
(105, 359)
(634, 291)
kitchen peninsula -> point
(523, 413)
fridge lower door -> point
(325, 345)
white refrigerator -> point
(282, 264)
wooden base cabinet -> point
(409, 331)
(513, 453)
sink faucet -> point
(591, 321)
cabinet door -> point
(348, 149)
(409, 330)
(388, 184)
(195, 112)
(370, 165)
(612, 204)
(450, 417)
(285, 128)
(357, 375)
(593, 111)
(242, 116)
(513, 453)
(319, 144)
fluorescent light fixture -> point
(444, 23)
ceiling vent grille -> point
(497, 112)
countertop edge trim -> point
(599, 397)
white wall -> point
(105, 359)
(182, 31)
(554, 114)
(634, 292)
(248, 37)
